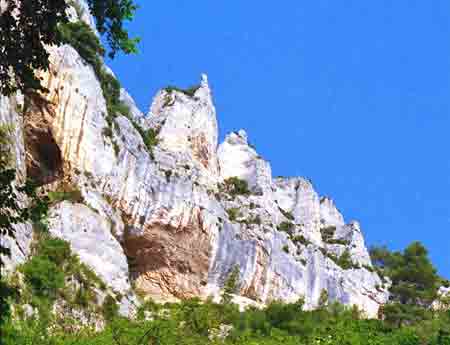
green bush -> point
(345, 260)
(70, 194)
(150, 138)
(300, 239)
(110, 309)
(194, 322)
(235, 186)
(342, 242)
(48, 273)
(233, 214)
(328, 233)
(231, 285)
(188, 92)
(54, 249)
(81, 37)
(286, 227)
(287, 214)
(414, 282)
(44, 276)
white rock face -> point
(238, 159)
(162, 216)
(187, 125)
(96, 246)
(10, 109)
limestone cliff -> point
(168, 220)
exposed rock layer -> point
(162, 218)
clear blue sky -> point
(353, 94)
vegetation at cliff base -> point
(47, 280)
(194, 322)
(414, 283)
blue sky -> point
(353, 94)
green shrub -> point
(328, 233)
(81, 37)
(286, 227)
(150, 138)
(44, 276)
(110, 308)
(286, 249)
(235, 186)
(300, 239)
(230, 286)
(287, 214)
(414, 281)
(68, 194)
(188, 92)
(338, 241)
(233, 214)
(50, 269)
(54, 249)
(345, 261)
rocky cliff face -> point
(172, 221)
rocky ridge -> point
(171, 221)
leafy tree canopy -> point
(27, 26)
(414, 283)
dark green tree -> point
(414, 282)
(27, 26)
(231, 285)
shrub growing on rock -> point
(235, 186)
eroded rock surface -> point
(161, 220)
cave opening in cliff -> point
(44, 160)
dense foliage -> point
(414, 283)
(28, 25)
(235, 186)
(193, 322)
(48, 276)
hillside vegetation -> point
(48, 276)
